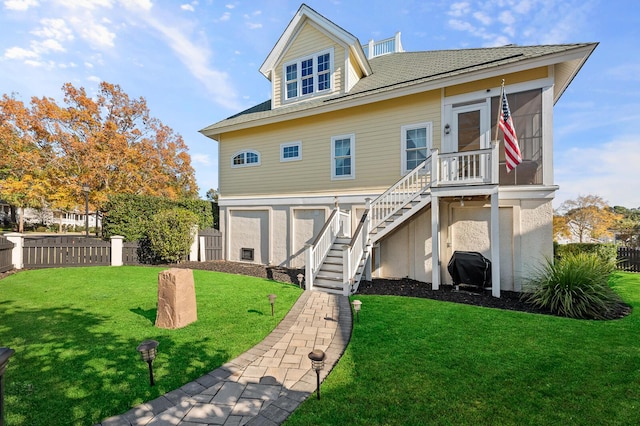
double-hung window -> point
(308, 76)
(343, 157)
(245, 159)
(416, 143)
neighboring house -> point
(48, 217)
(405, 137)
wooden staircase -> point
(336, 263)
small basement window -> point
(246, 254)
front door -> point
(470, 132)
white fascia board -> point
(530, 192)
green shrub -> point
(608, 252)
(170, 235)
(575, 286)
(130, 215)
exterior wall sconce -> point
(148, 350)
(447, 129)
(317, 363)
(272, 300)
(300, 278)
(5, 354)
(356, 307)
(461, 201)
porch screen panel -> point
(469, 131)
(526, 111)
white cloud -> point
(19, 53)
(606, 170)
(254, 25)
(56, 29)
(483, 18)
(97, 35)
(94, 79)
(230, 6)
(20, 5)
(203, 159)
(459, 9)
(85, 4)
(137, 4)
(225, 17)
(187, 7)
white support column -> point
(116, 250)
(495, 244)
(16, 254)
(435, 242)
(202, 256)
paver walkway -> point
(265, 384)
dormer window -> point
(308, 76)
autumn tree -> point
(24, 170)
(589, 217)
(109, 142)
(628, 227)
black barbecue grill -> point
(470, 268)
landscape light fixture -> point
(317, 363)
(356, 307)
(148, 350)
(86, 189)
(272, 300)
(5, 354)
(300, 278)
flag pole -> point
(499, 109)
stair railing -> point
(316, 253)
(354, 252)
(409, 187)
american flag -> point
(511, 149)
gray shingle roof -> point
(408, 68)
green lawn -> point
(424, 362)
(75, 332)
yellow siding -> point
(355, 73)
(518, 77)
(377, 149)
(307, 42)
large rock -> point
(176, 299)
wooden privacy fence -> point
(19, 251)
(211, 240)
(51, 252)
(629, 259)
(6, 247)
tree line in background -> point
(108, 142)
(589, 218)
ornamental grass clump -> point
(576, 286)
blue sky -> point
(196, 62)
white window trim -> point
(289, 144)
(352, 138)
(403, 137)
(245, 152)
(315, 92)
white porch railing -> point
(382, 47)
(469, 167)
(316, 253)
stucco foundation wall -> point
(249, 229)
(536, 242)
(407, 251)
(470, 230)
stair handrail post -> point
(308, 250)
(346, 262)
(435, 167)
